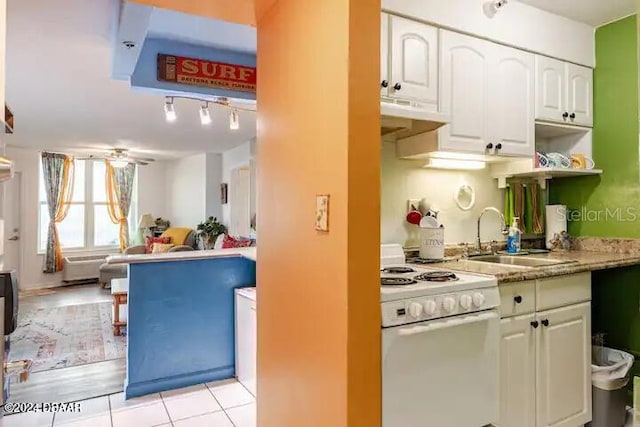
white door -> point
(442, 372)
(511, 110)
(463, 90)
(551, 90)
(240, 202)
(518, 371)
(414, 62)
(384, 54)
(580, 95)
(564, 366)
(12, 224)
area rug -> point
(60, 337)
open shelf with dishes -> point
(561, 151)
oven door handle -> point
(448, 323)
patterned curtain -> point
(119, 191)
(58, 173)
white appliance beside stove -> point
(440, 345)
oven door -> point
(441, 373)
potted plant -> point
(209, 230)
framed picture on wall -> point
(224, 193)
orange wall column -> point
(318, 293)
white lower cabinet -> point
(563, 345)
(518, 371)
(545, 356)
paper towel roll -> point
(556, 220)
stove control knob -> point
(465, 302)
(449, 304)
(430, 307)
(415, 310)
(478, 299)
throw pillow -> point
(231, 242)
(161, 248)
(149, 241)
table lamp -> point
(145, 224)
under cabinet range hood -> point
(404, 118)
(6, 169)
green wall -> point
(616, 292)
(615, 139)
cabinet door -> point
(463, 91)
(517, 372)
(511, 119)
(580, 94)
(564, 366)
(414, 62)
(384, 54)
(551, 90)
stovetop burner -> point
(437, 276)
(396, 281)
(398, 270)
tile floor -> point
(218, 404)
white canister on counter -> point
(432, 243)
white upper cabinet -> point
(580, 94)
(464, 64)
(409, 62)
(488, 90)
(551, 87)
(564, 92)
(564, 360)
(384, 54)
(511, 104)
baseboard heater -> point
(82, 269)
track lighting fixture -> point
(205, 115)
(234, 121)
(169, 110)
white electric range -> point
(440, 345)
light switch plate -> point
(322, 212)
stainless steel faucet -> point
(504, 228)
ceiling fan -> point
(119, 158)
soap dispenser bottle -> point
(514, 238)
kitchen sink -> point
(522, 261)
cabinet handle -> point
(499, 147)
(545, 322)
(565, 115)
(572, 116)
(489, 146)
(384, 83)
(517, 299)
(535, 324)
(397, 86)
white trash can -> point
(609, 375)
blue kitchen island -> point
(180, 327)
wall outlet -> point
(413, 205)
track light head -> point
(205, 115)
(234, 121)
(169, 110)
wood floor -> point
(71, 384)
(76, 382)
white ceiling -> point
(58, 86)
(592, 12)
(202, 31)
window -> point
(87, 226)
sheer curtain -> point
(119, 182)
(58, 171)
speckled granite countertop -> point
(581, 261)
